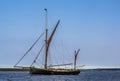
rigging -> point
(29, 49)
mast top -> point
(46, 19)
(45, 9)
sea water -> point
(87, 75)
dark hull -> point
(54, 71)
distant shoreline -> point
(13, 69)
(20, 69)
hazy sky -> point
(91, 25)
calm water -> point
(90, 75)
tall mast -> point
(46, 38)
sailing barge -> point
(47, 70)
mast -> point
(46, 37)
(48, 40)
(46, 51)
(75, 58)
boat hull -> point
(54, 71)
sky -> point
(91, 25)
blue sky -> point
(91, 25)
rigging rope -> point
(29, 50)
(37, 56)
